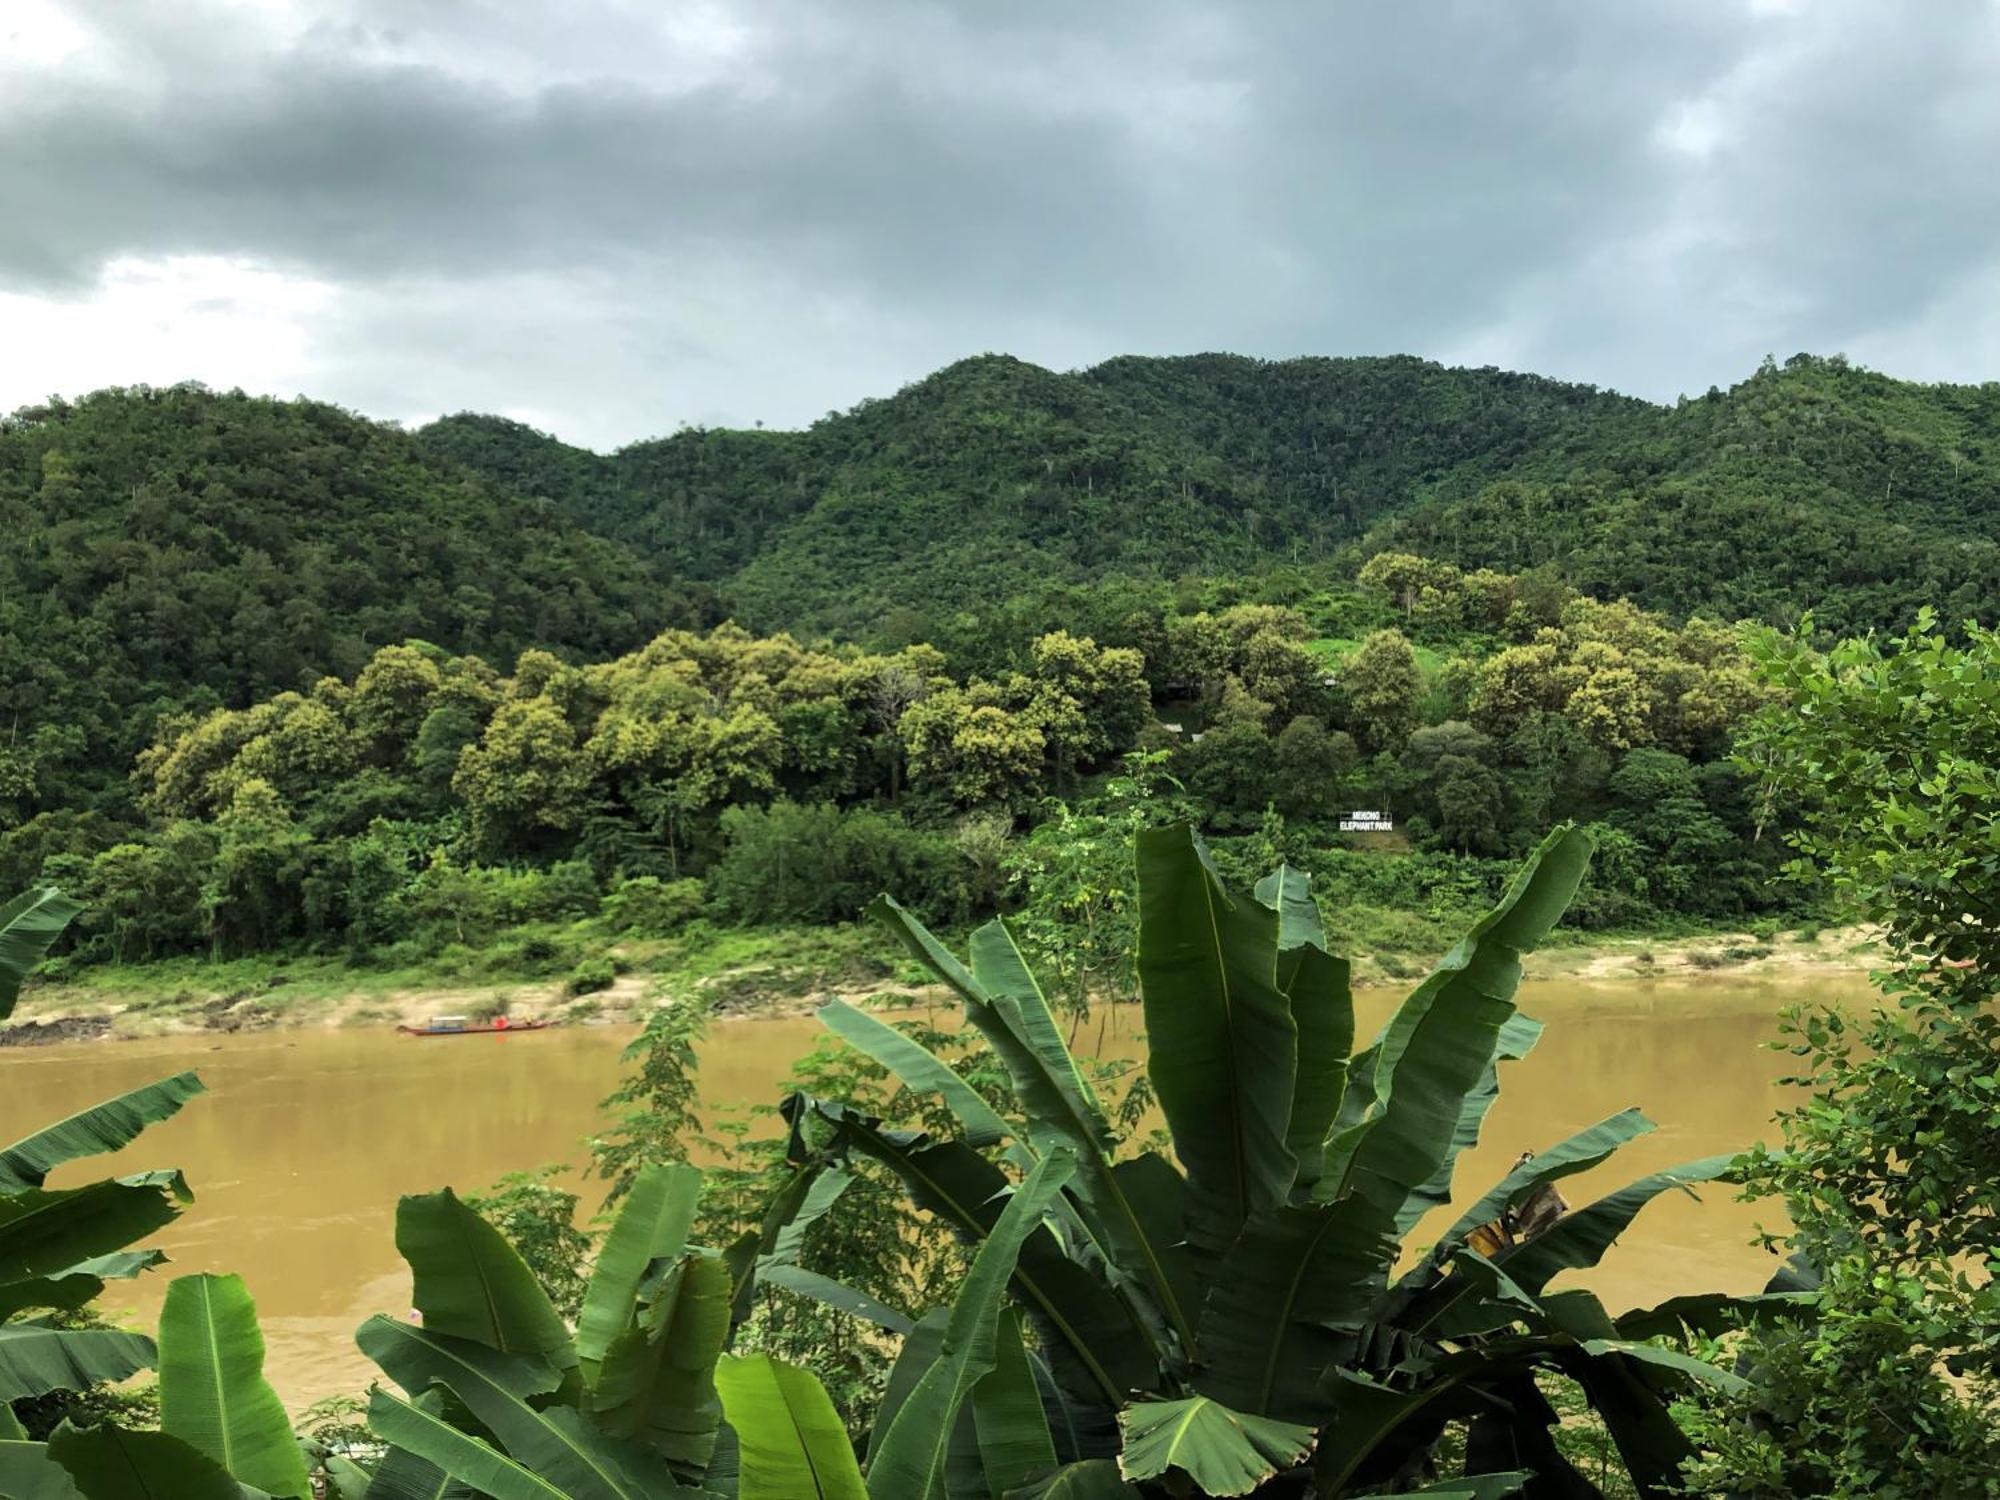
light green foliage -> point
(524, 777)
(213, 1395)
(968, 745)
(794, 1447)
(1886, 750)
(1222, 1452)
(1623, 677)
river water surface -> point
(306, 1138)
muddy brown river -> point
(306, 1138)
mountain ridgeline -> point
(1812, 486)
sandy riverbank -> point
(52, 1013)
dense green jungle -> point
(279, 681)
(1041, 691)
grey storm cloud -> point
(612, 217)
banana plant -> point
(223, 1432)
(501, 1398)
(1232, 1320)
(58, 1246)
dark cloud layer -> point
(611, 216)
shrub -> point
(590, 976)
(535, 956)
(651, 907)
(817, 863)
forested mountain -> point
(1812, 486)
(1816, 486)
(182, 550)
(994, 477)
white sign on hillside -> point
(1366, 822)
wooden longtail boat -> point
(460, 1026)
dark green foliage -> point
(817, 863)
(1816, 486)
(187, 551)
(1013, 476)
(180, 549)
(1216, 1319)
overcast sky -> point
(611, 217)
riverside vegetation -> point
(289, 692)
(435, 819)
(1226, 1308)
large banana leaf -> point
(555, 1443)
(70, 1289)
(652, 1224)
(927, 950)
(657, 1383)
(918, 1068)
(1090, 1479)
(1223, 1050)
(1023, 1030)
(1578, 1240)
(1478, 1486)
(1582, 1151)
(213, 1395)
(467, 1281)
(1319, 987)
(1155, 1195)
(1320, 990)
(1438, 1046)
(1063, 1110)
(1631, 1394)
(28, 925)
(36, 1359)
(789, 1237)
(910, 1462)
(789, 1214)
(1288, 892)
(109, 1463)
(1518, 1035)
(919, 1352)
(1087, 1330)
(1224, 1452)
(1295, 1278)
(1513, 1427)
(28, 1473)
(793, 1445)
(1371, 1428)
(46, 1231)
(836, 1295)
(401, 1475)
(105, 1127)
(1007, 1006)
(1015, 1445)
(444, 1449)
(1710, 1314)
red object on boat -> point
(457, 1026)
